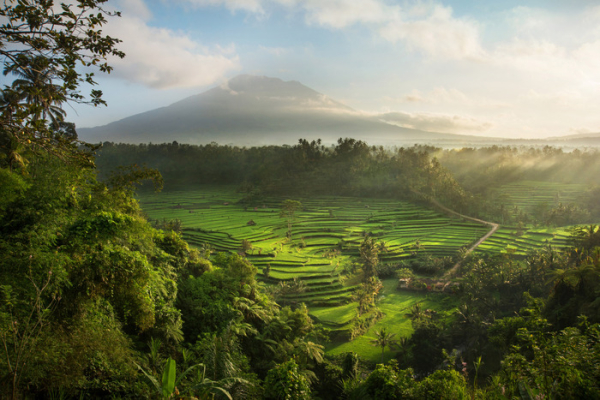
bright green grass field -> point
(211, 215)
(394, 305)
(527, 194)
(506, 240)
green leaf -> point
(168, 378)
(525, 391)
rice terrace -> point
(324, 244)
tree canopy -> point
(47, 46)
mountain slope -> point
(250, 110)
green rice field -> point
(325, 235)
(506, 239)
(325, 239)
(526, 195)
(394, 304)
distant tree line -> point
(351, 167)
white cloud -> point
(443, 123)
(164, 59)
(428, 27)
(342, 13)
(253, 6)
(436, 33)
(447, 97)
(134, 8)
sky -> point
(517, 69)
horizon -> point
(512, 70)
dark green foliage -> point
(426, 346)
(443, 385)
(329, 376)
(553, 364)
(369, 257)
(285, 382)
(102, 263)
(388, 383)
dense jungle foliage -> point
(97, 303)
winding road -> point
(494, 226)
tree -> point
(383, 339)
(366, 294)
(35, 88)
(246, 246)
(288, 211)
(285, 382)
(47, 44)
(416, 313)
(21, 329)
(369, 257)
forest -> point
(96, 301)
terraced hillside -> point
(526, 195)
(325, 237)
(508, 239)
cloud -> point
(447, 97)
(342, 13)
(435, 32)
(135, 8)
(163, 59)
(429, 27)
(253, 6)
(442, 123)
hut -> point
(403, 283)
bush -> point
(386, 382)
(285, 382)
(442, 385)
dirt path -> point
(494, 226)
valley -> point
(324, 248)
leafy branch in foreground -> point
(45, 45)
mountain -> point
(253, 110)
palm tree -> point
(416, 313)
(9, 103)
(251, 310)
(308, 350)
(587, 237)
(34, 83)
(383, 339)
(369, 256)
(206, 387)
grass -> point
(527, 194)
(211, 215)
(394, 304)
(506, 239)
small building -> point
(251, 223)
(403, 283)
